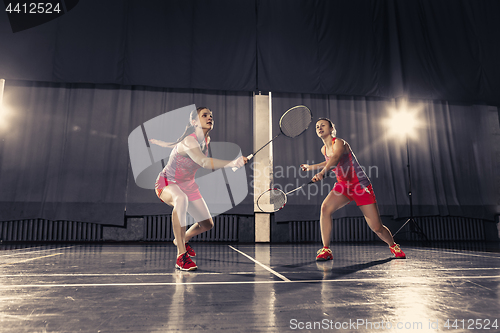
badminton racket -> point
(293, 123)
(275, 199)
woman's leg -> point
(199, 211)
(332, 202)
(174, 196)
(372, 217)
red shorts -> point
(190, 188)
(360, 194)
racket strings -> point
(271, 200)
(277, 198)
(295, 121)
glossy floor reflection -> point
(247, 288)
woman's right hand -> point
(305, 167)
(319, 176)
(239, 162)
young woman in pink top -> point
(352, 185)
(176, 186)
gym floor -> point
(248, 288)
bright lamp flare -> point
(5, 115)
(3, 111)
(403, 123)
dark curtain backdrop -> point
(64, 149)
(64, 152)
(424, 49)
(452, 158)
(111, 65)
(175, 44)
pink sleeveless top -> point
(348, 169)
(181, 169)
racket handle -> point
(249, 157)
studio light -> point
(2, 86)
(5, 117)
(6, 113)
(403, 123)
(3, 110)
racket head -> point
(295, 121)
(271, 200)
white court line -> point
(29, 259)
(284, 278)
(461, 253)
(466, 269)
(126, 274)
(413, 280)
(29, 252)
(214, 273)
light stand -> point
(414, 227)
(2, 87)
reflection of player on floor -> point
(176, 187)
(352, 185)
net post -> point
(262, 164)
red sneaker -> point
(190, 251)
(398, 253)
(324, 254)
(184, 263)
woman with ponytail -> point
(352, 185)
(176, 187)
